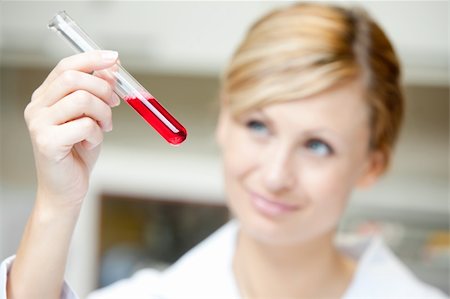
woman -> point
(310, 109)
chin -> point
(275, 232)
(274, 226)
(282, 235)
(272, 234)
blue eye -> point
(319, 147)
(257, 126)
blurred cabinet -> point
(138, 233)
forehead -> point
(342, 107)
(342, 102)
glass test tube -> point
(126, 86)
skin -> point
(289, 170)
(67, 117)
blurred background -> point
(150, 202)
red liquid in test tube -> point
(126, 86)
(161, 120)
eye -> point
(257, 127)
(319, 147)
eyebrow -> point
(310, 132)
(260, 111)
(321, 132)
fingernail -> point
(107, 127)
(115, 100)
(109, 56)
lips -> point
(271, 207)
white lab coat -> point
(206, 272)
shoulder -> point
(203, 271)
(380, 274)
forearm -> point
(38, 270)
(66, 117)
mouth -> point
(271, 207)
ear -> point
(374, 169)
(222, 126)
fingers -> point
(56, 142)
(72, 106)
(84, 130)
(77, 113)
(79, 104)
(71, 81)
(77, 118)
(107, 74)
(85, 62)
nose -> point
(279, 172)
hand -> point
(66, 118)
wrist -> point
(59, 200)
(49, 207)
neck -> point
(311, 269)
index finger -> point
(87, 62)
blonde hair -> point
(307, 48)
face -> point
(290, 167)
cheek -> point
(238, 161)
(327, 192)
(239, 155)
(328, 187)
(336, 178)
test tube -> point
(126, 87)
